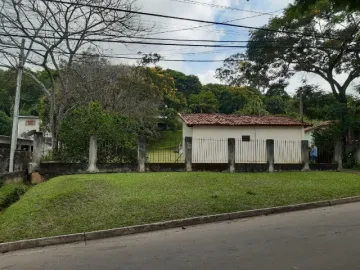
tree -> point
(305, 41)
(132, 91)
(92, 120)
(275, 105)
(231, 99)
(5, 124)
(344, 4)
(186, 84)
(254, 107)
(30, 93)
(277, 89)
(55, 33)
(317, 103)
(204, 102)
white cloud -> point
(208, 77)
(296, 81)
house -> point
(210, 133)
(27, 125)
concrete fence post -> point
(231, 152)
(270, 155)
(93, 149)
(305, 155)
(188, 154)
(338, 154)
(38, 146)
(142, 154)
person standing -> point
(313, 153)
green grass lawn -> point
(78, 203)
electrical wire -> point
(191, 20)
(222, 7)
(168, 44)
(130, 58)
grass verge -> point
(78, 203)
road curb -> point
(86, 236)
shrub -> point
(11, 193)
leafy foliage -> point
(186, 84)
(5, 124)
(113, 132)
(204, 102)
(319, 46)
(254, 107)
(275, 105)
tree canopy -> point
(312, 42)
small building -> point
(210, 133)
(27, 124)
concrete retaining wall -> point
(13, 178)
(51, 169)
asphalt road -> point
(326, 238)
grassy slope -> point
(78, 203)
(167, 139)
(162, 150)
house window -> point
(30, 123)
(246, 138)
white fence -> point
(250, 151)
(210, 151)
(216, 151)
(287, 152)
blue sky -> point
(174, 8)
(206, 71)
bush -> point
(11, 193)
(116, 134)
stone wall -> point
(14, 178)
(22, 159)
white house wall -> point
(23, 128)
(187, 131)
(210, 143)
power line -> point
(167, 44)
(202, 26)
(222, 7)
(129, 58)
(148, 38)
(186, 19)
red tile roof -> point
(320, 125)
(202, 119)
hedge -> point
(11, 193)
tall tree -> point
(345, 4)
(55, 33)
(204, 102)
(317, 103)
(313, 42)
(254, 107)
(275, 105)
(186, 84)
(277, 89)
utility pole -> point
(301, 106)
(16, 108)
